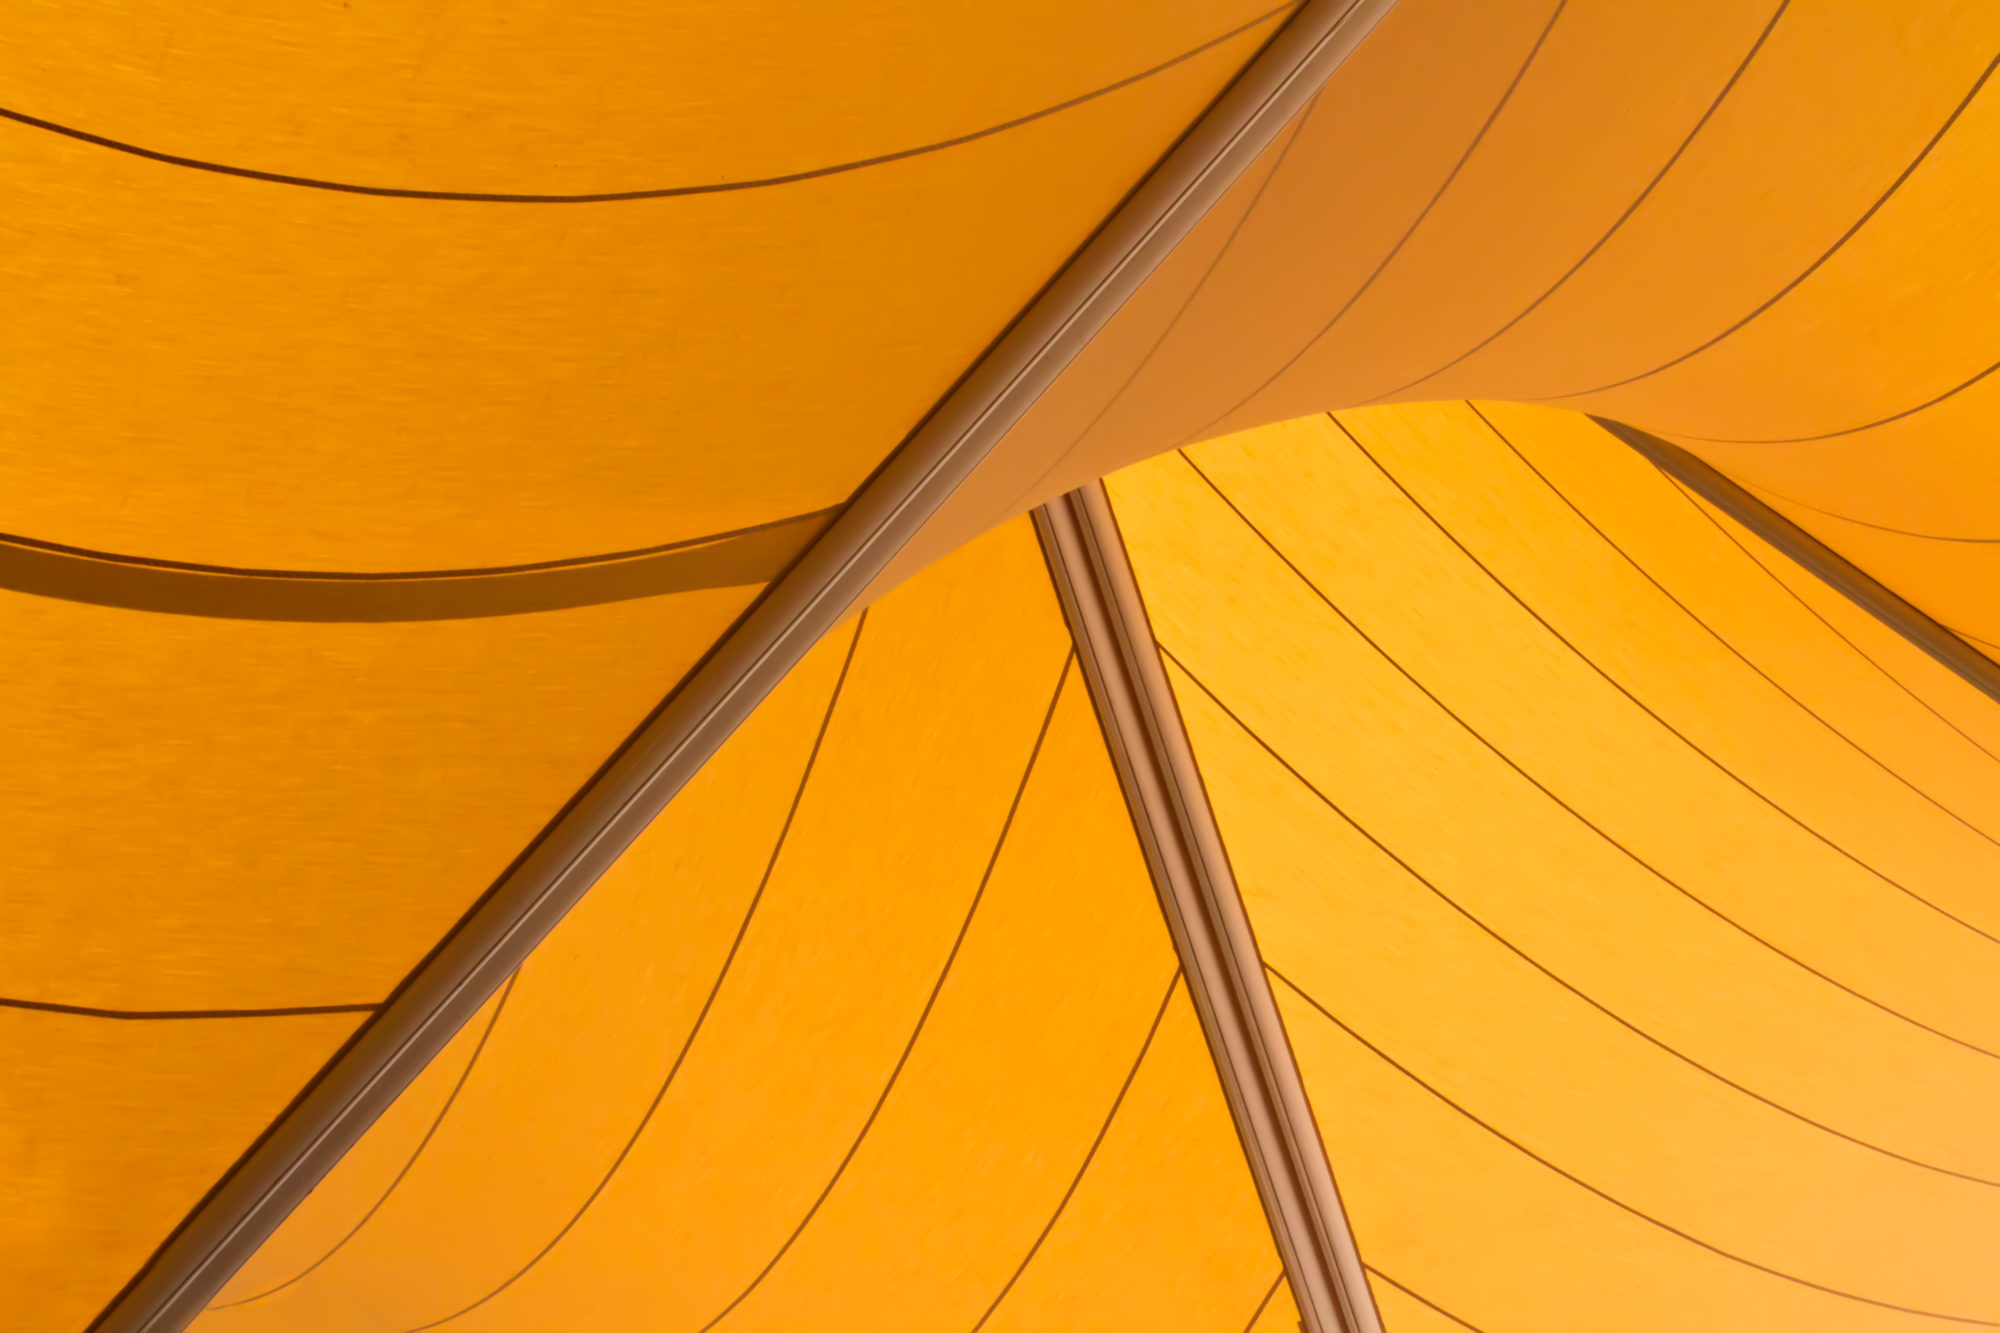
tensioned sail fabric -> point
(1764, 231)
(406, 400)
(1625, 893)
(1629, 902)
(401, 400)
(878, 1027)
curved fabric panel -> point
(877, 1027)
(1956, 575)
(347, 535)
(208, 818)
(1759, 228)
(111, 1131)
(211, 814)
(275, 377)
(348, 1200)
(1885, 652)
(410, 360)
(1633, 928)
(596, 97)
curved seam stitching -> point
(1610, 1198)
(1864, 523)
(1671, 730)
(1574, 813)
(1425, 1301)
(546, 879)
(464, 1074)
(1493, 117)
(1186, 304)
(1623, 218)
(1924, 406)
(1535, 963)
(1814, 267)
(1835, 630)
(620, 196)
(923, 1017)
(1090, 1155)
(1713, 633)
(715, 988)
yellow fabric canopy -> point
(1761, 230)
(878, 1027)
(248, 770)
(412, 407)
(1634, 929)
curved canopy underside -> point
(878, 1027)
(1764, 231)
(406, 401)
(1628, 900)
(348, 533)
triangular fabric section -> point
(1626, 895)
(878, 1026)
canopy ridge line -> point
(636, 782)
(1814, 556)
(1204, 911)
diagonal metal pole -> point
(635, 784)
(1204, 911)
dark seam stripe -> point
(1813, 267)
(423, 1143)
(620, 196)
(1738, 653)
(923, 1018)
(1090, 1155)
(1492, 118)
(1835, 630)
(740, 558)
(1924, 406)
(365, 576)
(91, 1011)
(1864, 523)
(1814, 556)
(1623, 218)
(1535, 963)
(708, 1002)
(1666, 726)
(1632, 856)
(1186, 304)
(1423, 1300)
(1270, 1292)
(1610, 1198)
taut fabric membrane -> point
(404, 400)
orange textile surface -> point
(1630, 913)
(1765, 230)
(216, 827)
(402, 400)
(835, 213)
(877, 1027)
(407, 397)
